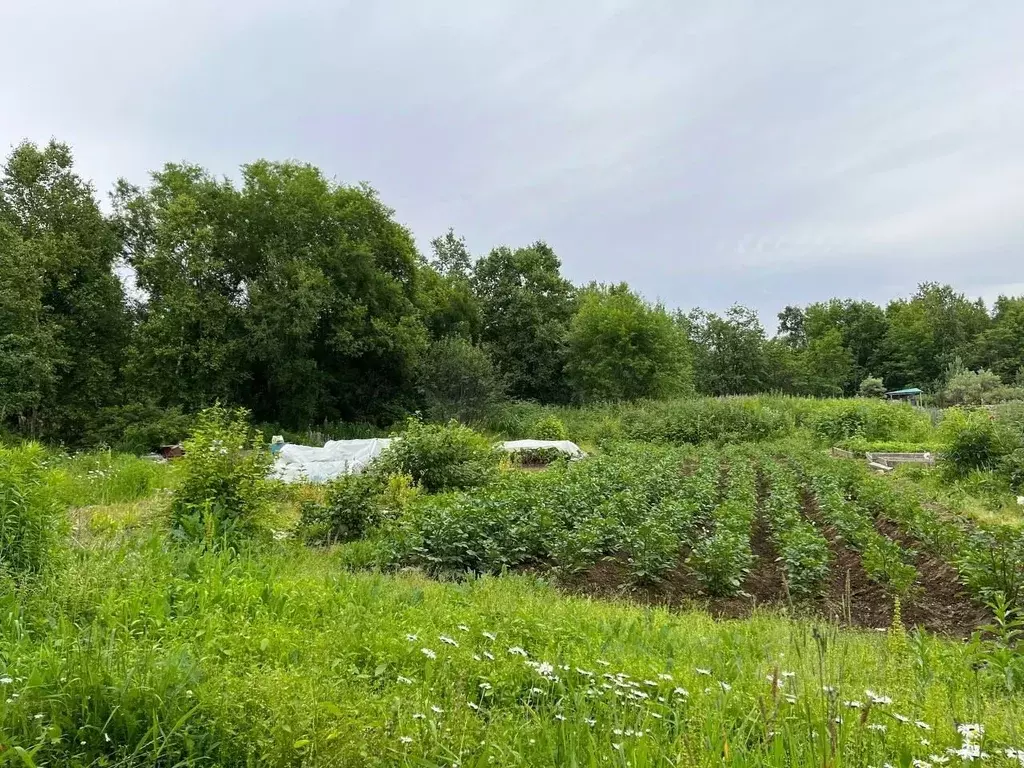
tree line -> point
(306, 301)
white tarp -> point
(297, 463)
(567, 447)
(305, 463)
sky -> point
(705, 152)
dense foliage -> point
(224, 493)
(306, 302)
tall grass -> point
(104, 477)
(149, 655)
(30, 517)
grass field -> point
(661, 603)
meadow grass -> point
(143, 653)
(105, 477)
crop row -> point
(634, 502)
(721, 557)
(989, 558)
(884, 560)
(802, 549)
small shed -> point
(910, 395)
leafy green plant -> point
(440, 457)
(549, 427)
(974, 441)
(31, 520)
(224, 492)
(352, 505)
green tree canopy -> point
(68, 320)
(526, 306)
(621, 348)
(729, 351)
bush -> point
(139, 428)
(974, 441)
(972, 388)
(872, 387)
(1012, 467)
(458, 381)
(223, 492)
(549, 428)
(30, 518)
(352, 506)
(439, 457)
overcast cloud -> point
(705, 152)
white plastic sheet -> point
(298, 463)
(305, 463)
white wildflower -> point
(489, 655)
(412, 638)
(616, 746)
(664, 676)
(474, 707)
(617, 731)
(940, 759)
(725, 686)
(405, 739)
(5, 680)
(544, 669)
(418, 716)
(463, 628)
(428, 653)
(971, 731)
(701, 671)
(490, 636)
(925, 743)
(604, 663)
(106, 737)
(828, 689)
(536, 690)
(877, 727)
(476, 657)
(436, 710)
(515, 650)
(38, 716)
(559, 716)
(901, 718)
(790, 699)
(650, 683)
(564, 667)
(590, 721)
(484, 686)
(854, 704)
(680, 692)
(404, 680)
(655, 715)
(876, 698)
(922, 764)
(789, 674)
(1016, 754)
(922, 725)
(448, 640)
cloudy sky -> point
(706, 151)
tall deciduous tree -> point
(60, 252)
(621, 348)
(526, 306)
(1001, 347)
(445, 294)
(290, 295)
(926, 332)
(729, 351)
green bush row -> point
(802, 549)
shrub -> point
(458, 381)
(707, 420)
(871, 387)
(536, 456)
(30, 518)
(972, 387)
(549, 428)
(974, 441)
(1012, 467)
(223, 492)
(352, 506)
(139, 428)
(440, 457)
